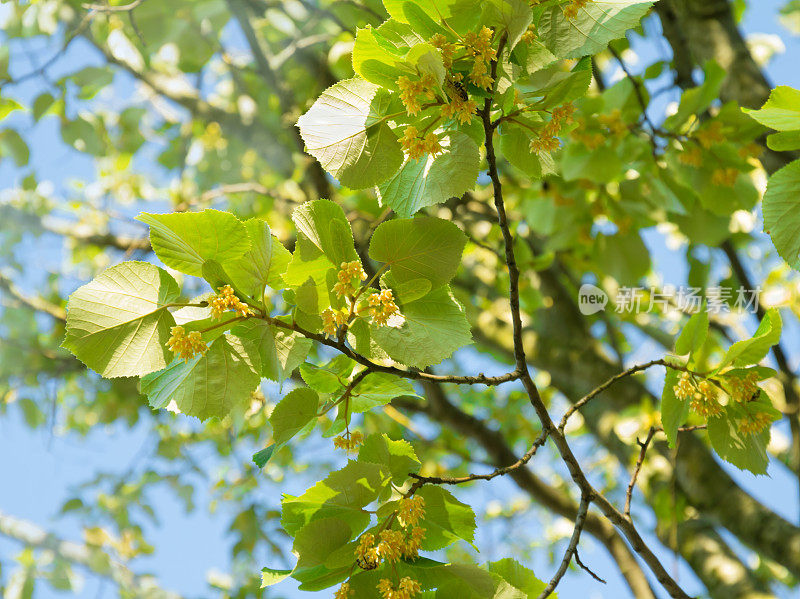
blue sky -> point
(38, 468)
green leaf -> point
(693, 334)
(261, 457)
(753, 350)
(433, 179)
(378, 389)
(7, 106)
(597, 23)
(419, 248)
(515, 146)
(293, 413)
(781, 207)
(342, 494)
(513, 16)
(12, 144)
(263, 265)
(209, 385)
(321, 379)
(397, 456)
(435, 326)
(446, 519)
(785, 141)
(185, 240)
(118, 324)
(697, 99)
(781, 111)
(346, 131)
(316, 541)
(325, 226)
(518, 576)
(270, 576)
(674, 411)
(280, 351)
(746, 452)
(43, 105)
(376, 59)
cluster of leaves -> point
(782, 113)
(726, 398)
(123, 323)
(334, 532)
(423, 74)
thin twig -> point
(586, 568)
(629, 494)
(625, 373)
(457, 480)
(572, 548)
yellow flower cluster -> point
(382, 306)
(571, 10)
(691, 157)
(226, 300)
(459, 104)
(744, 389)
(391, 546)
(614, 123)
(349, 442)
(407, 589)
(754, 423)
(412, 510)
(416, 145)
(186, 346)
(479, 45)
(344, 591)
(447, 49)
(349, 278)
(367, 557)
(548, 136)
(725, 176)
(703, 396)
(710, 135)
(530, 35)
(332, 319)
(412, 89)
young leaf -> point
(596, 24)
(263, 265)
(746, 452)
(118, 324)
(343, 494)
(446, 519)
(426, 247)
(674, 411)
(209, 385)
(781, 111)
(378, 389)
(781, 213)
(269, 576)
(293, 413)
(432, 179)
(280, 351)
(374, 61)
(346, 131)
(397, 456)
(324, 225)
(693, 334)
(753, 350)
(185, 240)
(518, 576)
(435, 326)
